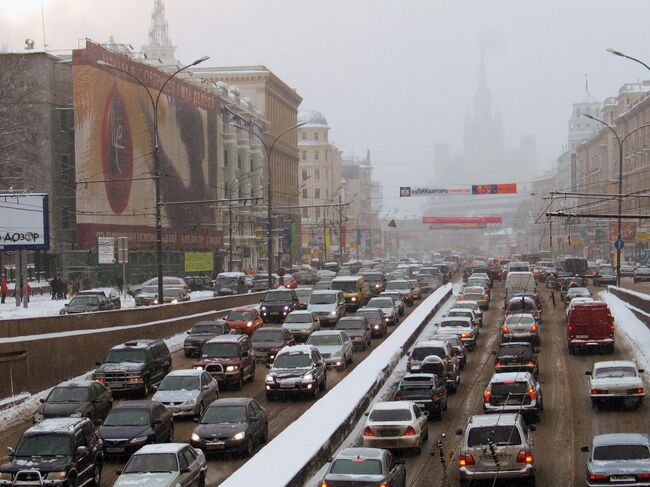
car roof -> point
(161, 448)
(226, 339)
(464, 310)
(377, 453)
(419, 376)
(520, 315)
(622, 439)
(391, 405)
(231, 401)
(506, 419)
(230, 274)
(296, 349)
(185, 372)
(347, 278)
(511, 376)
(327, 332)
(430, 343)
(456, 318)
(300, 312)
(144, 404)
(138, 343)
(53, 425)
(244, 308)
(614, 363)
(325, 291)
(76, 383)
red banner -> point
(509, 188)
(454, 220)
(628, 231)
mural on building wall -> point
(114, 140)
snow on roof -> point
(161, 448)
(296, 349)
(493, 419)
(621, 439)
(614, 363)
(390, 405)
(185, 372)
(430, 343)
(56, 424)
(510, 376)
(312, 117)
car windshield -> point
(224, 414)
(150, 290)
(374, 277)
(621, 452)
(48, 445)
(345, 324)
(207, 330)
(125, 355)
(128, 417)
(303, 292)
(521, 305)
(420, 353)
(643, 269)
(317, 340)
(268, 335)
(380, 303)
(298, 318)
(519, 320)
(323, 298)
(453, 323)
(179, 383)
(398, 285)
(606, 271)
(68, 394)
(347, 286)
(227, 281)
(240, 315)
(356, 466)
(278, 296)
(220, 350)
(498, 435)
(380, 415)
(172, 292)
(292, 361)
(578, 291)
(151, 463)
(372, 316)
(84, 301)
(462, 314)
(502, 389)
(615, 372)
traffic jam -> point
(491, 392)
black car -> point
(201, 333)
(426, 390)
(377, 320)
(65, 451)
(358, 329)
(267, 342)
(296, 370)
(376, 280)
(516, 357)
(132, 424)
(278, 303)
(87, 303)
(80, 399)
(135, 365)
(112, 294)
(361, 467)
(235, 424)
(261, 282)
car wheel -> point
(316, 393)
(252, 377)
(97, 473)
(170, 439)
(250, 448)
(531, 482)
(323, 385)
(187, 354)
(351, 357)
(72, 481)
(571, 349)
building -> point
(320, 184)
(160, 45)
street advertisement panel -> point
(199, 262)
(456, 220)
(105, 250)
(475, 189)
(24, 222)
(628, 231)
(114, 141)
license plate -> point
(217, 445)
(622, 478)
(390, 433)
(286, 386)
(582, 336)
(114, 450)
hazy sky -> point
(394, 76)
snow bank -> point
(320, 429)
(634, 331)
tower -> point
(160, 44)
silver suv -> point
(328, 306)
(438, 348)
(496, 447)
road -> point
(568, 421)
(281, 414)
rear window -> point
(621, 452)
(615, 372)
(498, 435)
(350, 325)
(505, 389)
(356, 466)
(421, 352)
(515, 350)
(390, 415)
(473, 290)
(453, 323)
(519, 320)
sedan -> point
(169, 465)
(267, 342)
(460, 327)
(396, 425)
(388, 306)
(520, 327)
(358, 329)
(187, 392)
(642, 274)
(83, 398)
(334, 346)
(365, 466)
(476, 293)
(397, 297)
(618, 459)
(301, 324)
(201, 333)
(616, 381)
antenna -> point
(43, 24)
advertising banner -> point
(455, 220)
(114, 140)
(475, 189)
(628, 231)
(199, 262)
(105, 250)
(24, 222)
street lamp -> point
(620, 54)
(619, 197)
(156, 156)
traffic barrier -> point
(297, 453)
(638, 303)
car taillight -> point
(498, 364)
(398, 398)
(532, 394)
(636, 390)
(505, 329)
(434, 398)
(368, 432)
(533, 328)
(325, 484)
(409, 431)
(487, 395)
(593, 476)
(524, 457)
(643, 476)
(530, 362)
(599, 391)
(465, 460)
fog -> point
(394, 77)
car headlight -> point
(387, 319)
(195, 437)
(333, 313)
(6, 476)
(155, 301)
(376, 327)
(232, 368)
(308, 377)
(55, 475)
(198, 367)
(268, 379)
(263, 308)
(190, 402)
(76, 415)
(239, 436)
(250, 323)
(353, 299)
(174, 301)
(286, 308)
(138, 439)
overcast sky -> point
(394, 77)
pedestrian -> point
(53, 288)
(553, 297)
(119, 282)
(4, 289)
(76, 287)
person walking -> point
(119, 282)
(553, 298)
(4, 289)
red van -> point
(590, 326)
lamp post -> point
(619, 197)
(156, 156)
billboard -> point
(459, 220)
(628, 231)
(199, 262)
(24, 222)
(408, 191)
(114, 139)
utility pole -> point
(324, 240)
(550, 236)
(230, 230)
(358, 237)
(340, 230)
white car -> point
(574, 301)
(616, 380)
(461, 327)
(396, 425)
(473, 305)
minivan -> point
(590, 326)
(353, 288)
(328, 306)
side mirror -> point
(244, 354)
(584, 449)
(268, 365)
(367, 413)
(10, 451)
(196, 420)
(80, 451)
(459, 431)
(532, 427)
(588, 372)
(42, 400)
(641, 371)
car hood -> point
(618, 467)
(388, 311)
(288, 373)
(220, 429)
(275, 304)
(161, 479)
(616, 382)
(199, 338)
(123, 432)
(121, 366)
(175, 396)
(267, 345)
(329, 348)
(59, 409)
(314, 308)
(80, 308)
(354, 333)
(42, 464)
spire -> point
(160, 44)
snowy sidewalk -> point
(633, 330)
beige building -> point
(320, 184)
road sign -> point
(123, 250)
(619, 244)
(105, 250)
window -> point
(316, 155)
(304, 173)
(317, 212)
(304, 193)
(305, 212)
(304, 136)
(304, 156)
(316, 173)
(315, 135)
(317, 193)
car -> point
(590, 326)
(135, 365)
(169, 465)
(520, 327)
(396, 425)
(146, 295)
(232, 425)
(171, 295)
(617, 381)
(335, 346)
(303, 293)
(278, 303)
(358, 329)
(576, 301)
(376, 280)
(417, 290)
(427, 283)
(618, 459)
(198, 283)
(110, 293)
(327, 305)
(200, 333)
(297, 370)
(397, 297)
(352, 467)
(62, 451)
(325, 274)
(244, 320)
(475, 293)
(304, 276)
(464, 313)
(168, 281)
(87, 303)
(301, 324)
(473, 305)
(438, 348)
(230, 283)
(627, 270)
(462, 327)
(132, 424)
(495, 447)
(576, 292)
(261, 282)
(606, 275)
(514, 392)
(230, 359)
(186, 392)
(457, 347)
(267, 342)
(388, 306)
(641, 274)
(76, 398)
(323, 285)
(286, 281)
(403, 286)
(353, 288)
(426, 390)
(377, 320)
(523, 304)
(516, 357)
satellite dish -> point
(29, 44)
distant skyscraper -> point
(160, 43)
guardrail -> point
(638, 303)
(297, 453)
